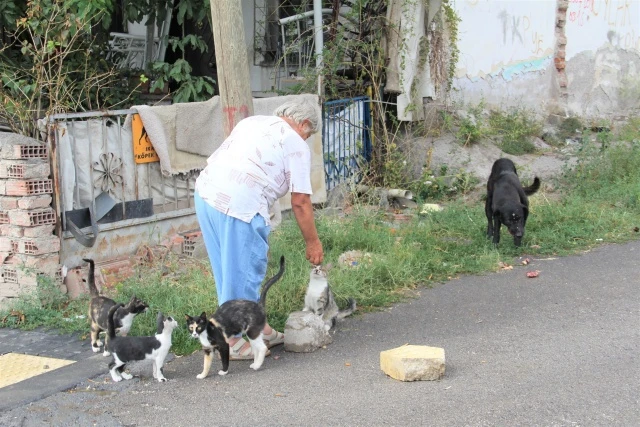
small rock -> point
(304, 332)
(413, 363)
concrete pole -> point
(232, 62)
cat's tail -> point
(111, 326)
(91, 279)
(349, 310)
(274, 279)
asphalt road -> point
(561, 349)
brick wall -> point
(28, 246)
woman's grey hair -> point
(299, 111)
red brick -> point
(28, 187)
(48, 263)
(34, 202)
(39, 246)
(32, 218)
(560, 63)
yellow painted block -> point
(16, 367)
(413, 363)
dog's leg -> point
(489, 214)
(496, 228)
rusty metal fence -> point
(99, 187)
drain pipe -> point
(319, 42)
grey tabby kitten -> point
(319, 299)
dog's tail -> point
(274, 279)
(533, 187)
(349, 310)
(111, 326)
(91, 278)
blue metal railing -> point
(346, 139)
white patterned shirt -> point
(258, 163)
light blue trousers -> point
(237, 251)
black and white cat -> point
(233, 318)
(99, 307)
(319, 299)
(128, 349)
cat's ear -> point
(204, 315)
(133, 298)
(187, 317)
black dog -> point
(507, 201)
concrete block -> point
(48, 263)
(9, 290)
(35, 202)
(8, 202)
(31, 218)
(11, 230)
(6, 244)
(38, 231)
(25, 169)
(21, 147)
(38, 245)
(413, 363)
(304, 332)
(3, 187)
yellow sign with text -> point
(143, 151)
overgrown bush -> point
(516, 128)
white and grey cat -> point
(127, 349)
(319, 299)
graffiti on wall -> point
(505, 38)
(614, 21)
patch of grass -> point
(601, 204)
(516, 128)
(630, 131)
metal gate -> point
(100, 189)
(346, 139)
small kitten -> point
(99, 307)
(127, 349)
(238, 317)
(319, 299)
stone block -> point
(34, 202)
(38, 231)
(8, 202)
(25, 169)
(11, 230)
(304, 332)
(38, 245)
(413, 363)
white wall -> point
(594, 23)
(507, 51)
(500, 38)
